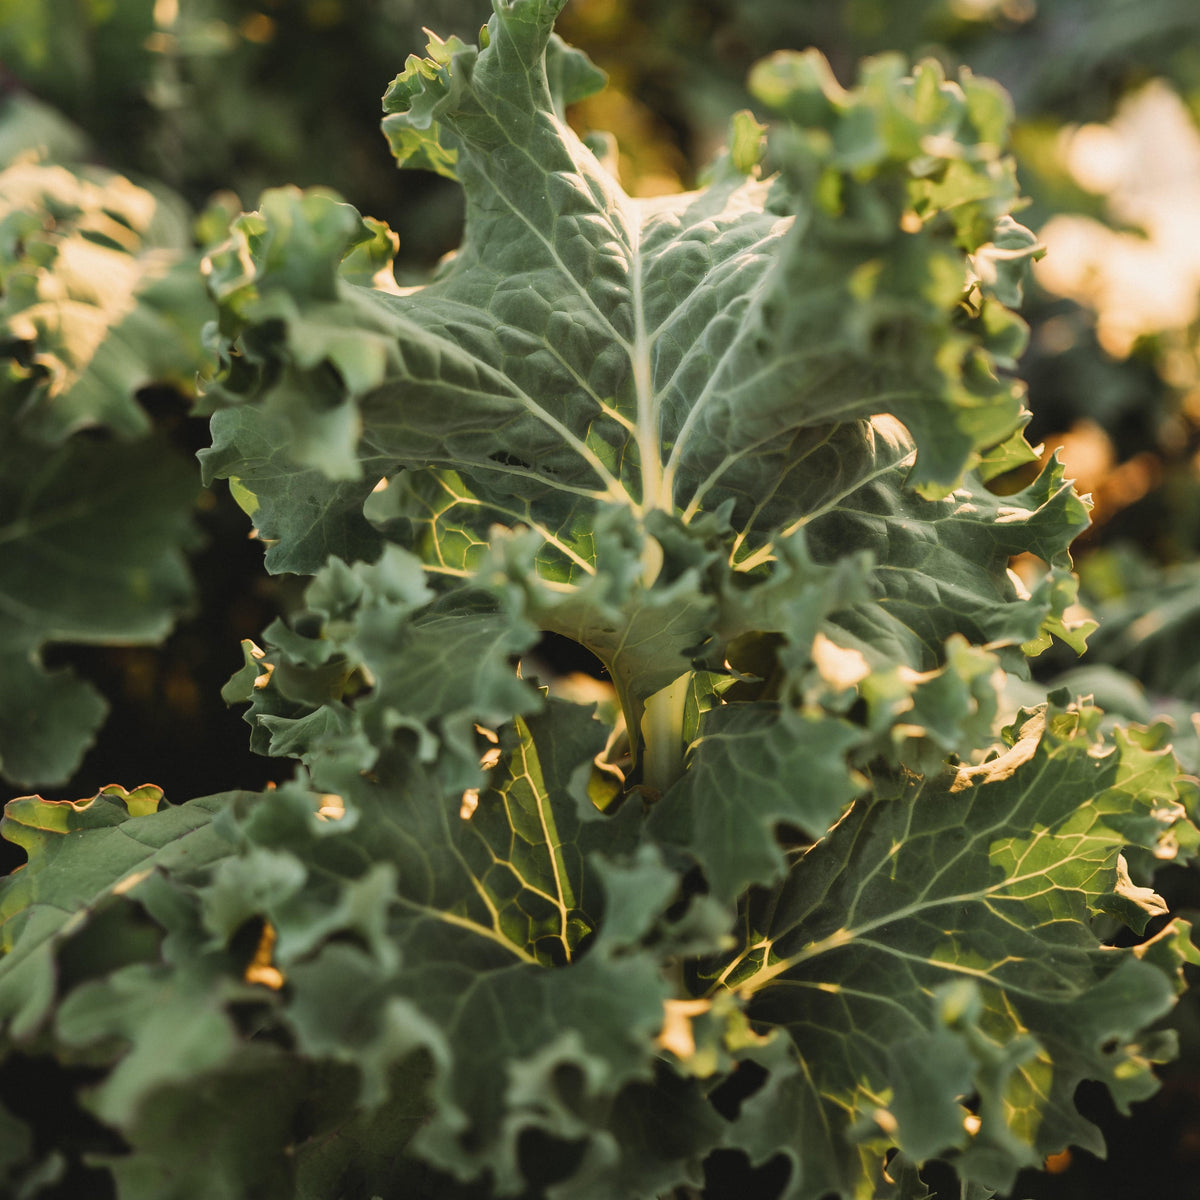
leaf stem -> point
(648, 435)
(662, 734)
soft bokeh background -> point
(207, 102)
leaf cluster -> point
(807, 888)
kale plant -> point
(809, 889)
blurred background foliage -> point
(211, 101)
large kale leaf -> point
(663, 392)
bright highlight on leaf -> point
(261, 970)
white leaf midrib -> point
(647, 432)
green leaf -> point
(1144, 621)
(655, 396)
(943, 563)
(85, 559)
(175, 1031)
(300, 516)
(28, 122)
(183, 1144)
(47, 719)
(99, 296)
(279, 273)
(80, 854)
(358, 1157)
(951, 924)
(750, 771)
(457, 904)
